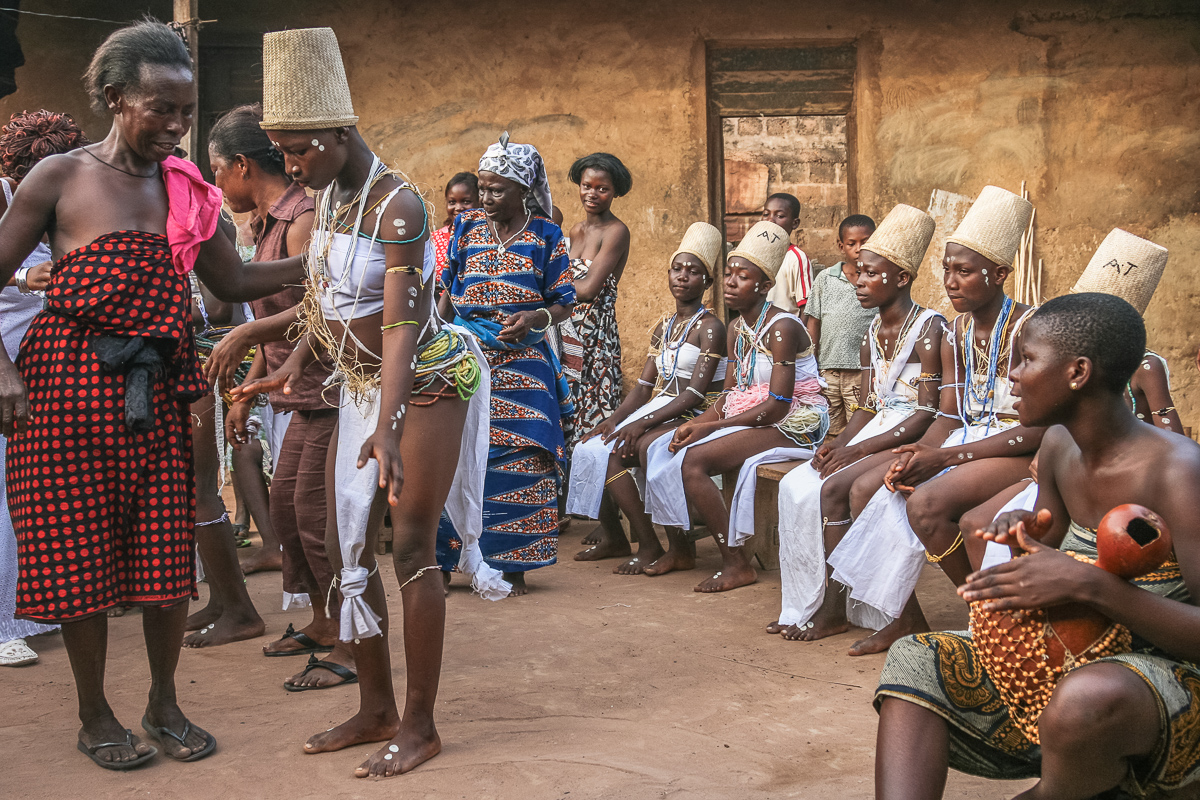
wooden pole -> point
(187, 16)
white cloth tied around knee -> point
(589, 464)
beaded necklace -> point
(981, 396)
(672, 345)
(881, 365)
(746, 347)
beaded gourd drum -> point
(1026, 653)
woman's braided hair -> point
(31, 136)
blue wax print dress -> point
(530, 397)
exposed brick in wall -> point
(804, 156)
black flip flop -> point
(157, 734)
(345, 674)
(90, 752)
(311, 645)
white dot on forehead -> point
(321, 147)
(316, 142)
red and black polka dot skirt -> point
(104, 517)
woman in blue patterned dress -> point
(509, 281)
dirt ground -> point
(592, 686)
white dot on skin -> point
(412, 303)
(387, 757)
(321, 147)
(399, 223)
(412, 290)
(315, 142)
(393, 748)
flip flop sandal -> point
(90, 752)
(158, 734)
(311, 645)
(348, 677)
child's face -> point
(460, 198)
(780, 213)
(687, 278)
(971, 280)
(851, 241)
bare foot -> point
(262, 560)
(775, 626)
(816, 628)
(637, 565)
(406, 751)
(595, 537)
(881, 640)
(359, 729)
(318, 675)
(107, 729)
(671, 561)
(226, 630)
(203, 618)
(728, 578)
(606, 549)
(517, 579)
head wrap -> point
(521, 163)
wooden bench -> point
(764, 544)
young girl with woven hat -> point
(775, 412)
(409, 384)
(1128, 267)
(901, 371)
(685, 366)
(911, 506)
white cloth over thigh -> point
(354, 495)
(996, 553)
(741, 507)
(589, 464)
(464, 505)
(802, 541)
(880, 559)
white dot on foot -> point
(387, 757)
(393, 748)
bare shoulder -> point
(49, 175)
(712, 326)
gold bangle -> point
(614, 477)
(391, 325)
(407, 270)
(932, 559)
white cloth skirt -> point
(802, 542)
(589, 465)
(666, 501)
(880, 558)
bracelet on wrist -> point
(549, 321)
(22, 279)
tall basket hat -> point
(702, 241)
(1124, 265)
(994, 224)
(304, 81)
(765, 246)
(903, 237)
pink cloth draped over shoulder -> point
(194, 207)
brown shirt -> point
(270, 240)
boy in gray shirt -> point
(837, 322)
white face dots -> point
(317, 144)
(885, 277)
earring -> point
(1074, 385)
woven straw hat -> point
(903, 237)
(702, 241)
(1124, 265)
(304, 82)
(765, 246)
(994, 224)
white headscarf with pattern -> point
(521, 163)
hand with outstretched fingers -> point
(604, 430)
(1041, 578)
(282, 379)
(14, 400)
(384, 447)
